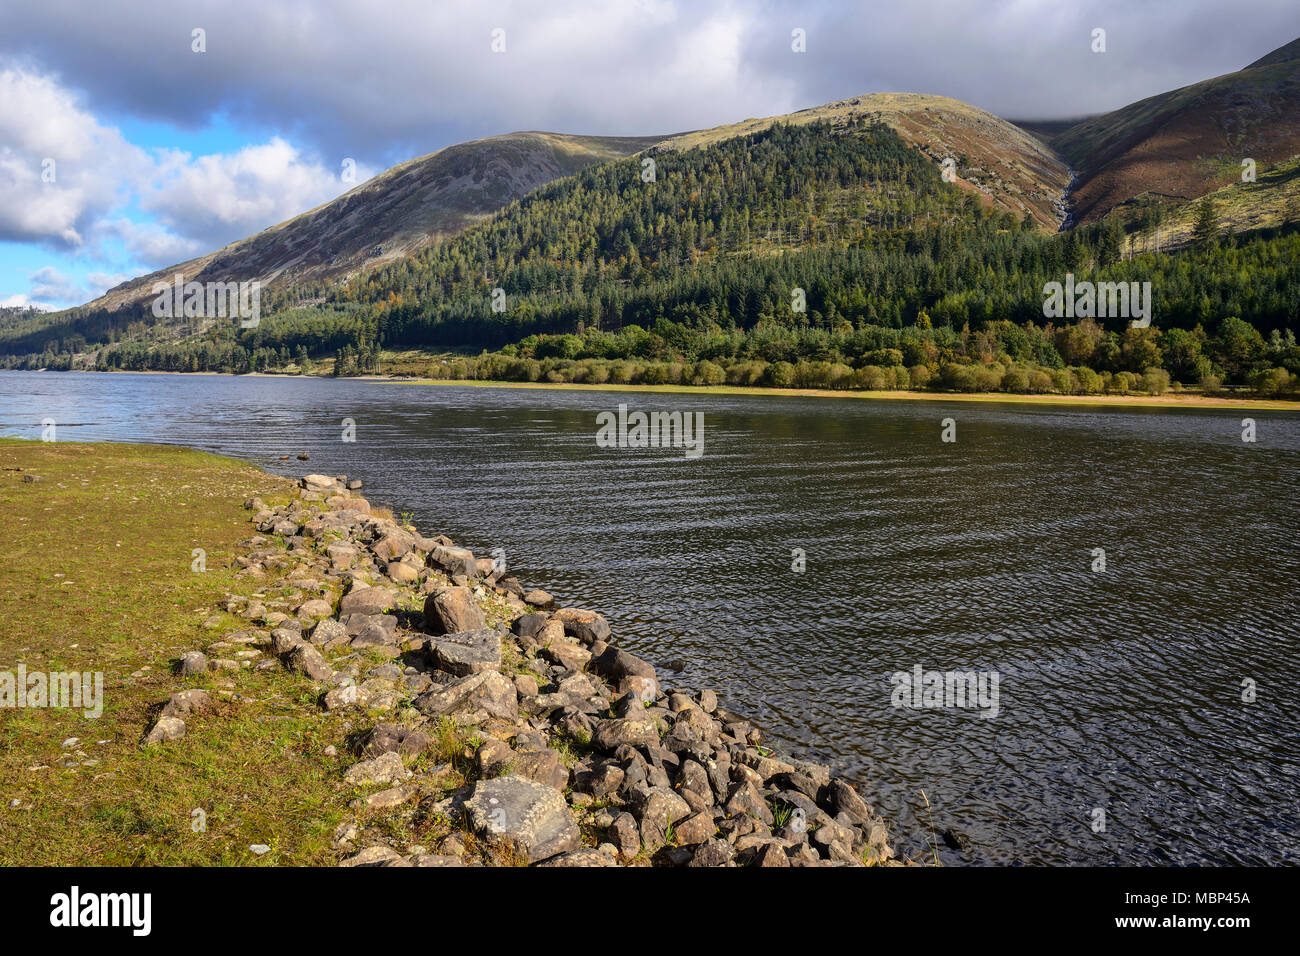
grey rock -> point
(466, 652)
(529, 817)
(453, 610)
(481, 695)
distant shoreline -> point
(1168, 400)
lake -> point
(820, 546)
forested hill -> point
(831, 249)
(607, 248)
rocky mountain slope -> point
(395, 214)
(1190, 141)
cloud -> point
(48, 284)
(385, 83)
(66, 180)
(60, 169)
(214, 199)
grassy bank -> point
(96, 576)
(1168, 400)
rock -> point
(771, 855)
(618, 665)
(842, 798)
(347, 503)
(527, 625)
(538, 598)
(586, 626)
(453, 610)
(712, 853)
(748, 800)
(454, 561)
(658, 807)
(587, 856)
(567, 654)
(392, 797)
(341, 556)
(372, 856)
(708, 701)
(167, 728)
(635, 731)
(466, 652)
(389, 738)
(328, 631)
(348, 695)
(186, 702)
(526, 685)
(531, 818)
(386, 768)
(403, 573)
(541, 766)
(306, 659)
(602, 782)
(394, 545)
(284, 639)
(319, 483)
(315, 609)
(366, 601)
(626, 835)
(696, 828)
(371, 630)
(192, 663)
(478, 696)
(260, 849)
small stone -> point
(260, 848)
(167, 728)
(386, 768)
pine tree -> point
(1205, 230)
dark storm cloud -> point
(381, 82)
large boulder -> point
(586, 626)
(476, 697)
(453, 610)
(530, 818)
(320, 483)
(306, 659)
(466, 652)
(635, 731)
(363, 600)
(454, 560)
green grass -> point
(96, 576)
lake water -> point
(1118, 691)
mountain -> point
(1010, 169)
(395, 214)
(1187, 142)
(403, 210)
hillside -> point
(1187, 142)
(395, 214)
(1012, 169)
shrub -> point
(919, 376)
(1016, 380)
(779, 375)
(1155, 381)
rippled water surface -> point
(1120, 691)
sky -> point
(135, 135)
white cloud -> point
(215, 199)
(59, 167)
(50, 285)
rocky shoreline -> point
(569, 750)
